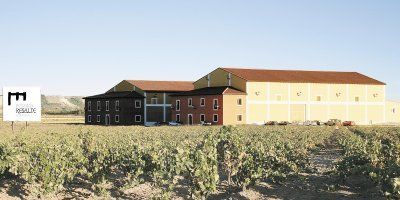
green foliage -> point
(374, 153)
(52, 157)
(5, 162)
(202, 169)
(49, 163)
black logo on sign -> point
(17, 95)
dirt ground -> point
(319, 184)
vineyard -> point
(188, 162)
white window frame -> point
(178, 116)
(204, 117)
(214, 118)
(151, 101)
(98, 119)
(178, 108)
(117, 107)
(89, 105)
(98, 106)
(201, 100)
(241, 118)
(115, 118)
(140, 103)
(215, 105)
(140, 118)
(89, 118)
(241, 101)
(107, 105)
(191, 102)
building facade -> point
(114, 108)
(230, 96)
(157, 100)
(211, 105)
(287, 95)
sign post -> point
(21, 104)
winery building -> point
(230, 96)
(134, 102)
(292, 95)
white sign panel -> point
(22, 104)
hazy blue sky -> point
(76, 47)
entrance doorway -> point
(190, 119)
(107, 119)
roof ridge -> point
(300, 70)
(226, 88)
(155, 80)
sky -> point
(76, 47)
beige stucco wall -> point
(278, 89)
(375, 114)
(393, 117)
(231, 109)
(319, 112)
(298, 112)
(278, 112)
(300, 102)
(256, 113)
(337, 112)
(337, 92)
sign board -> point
(22, 104)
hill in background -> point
(58, 105)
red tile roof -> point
(169, 86)
(211, 91)
(108, 95)
(298, 76)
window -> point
(138, 118)
(215, 118)
(278, 97)
(107, 105)
(356, 99)
(239, 101)
(394, 110)
(202, 102)
(178, 105)
(98, 106)
(202, 117)
(178, 117)
(319, 98)
(215, 104)
(89, 106)
(117, 105)
(190, 102)
(98, 118)
(89, 118)
(116, 118)
(239, 118)
(138, 104)
(154, 100)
